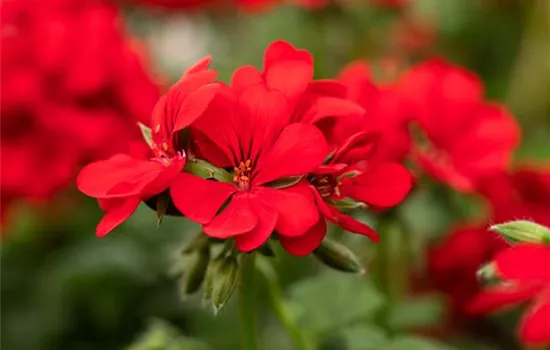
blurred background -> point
(76, 76)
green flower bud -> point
(487, 274)
(195, 270)
(198, 242)
(213, 267)
(338, 256)
(225, 280)
(523, 231)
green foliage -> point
(333, 300)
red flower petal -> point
(236, 219)
(280, 50)
(535, 324)
(267, 218)
(327, 87)
(168, 109)
(223, 132)
(289, 77)
(263, 113)
(382, 186)
(199, 199)
(299, 150)
(524, 262)
(350, 224)
(326, 106)
(305, 244)
(295, 206)
(118, 176)
(201, 65)
(194, 105)
(498, 297)
(244, 77)
(356, 148)
(118, 211)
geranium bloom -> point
(465, 138)
(525, 276)
(248, 131)
(73, 86)
(385, 113)
(349, 178)
(122, 182)
(453, 263)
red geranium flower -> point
(248, 131)
(465, 138)
(123, 181)
(525, 276)
(349, 174)
(385, 113)
(453, 263)
(73, 86)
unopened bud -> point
(225, 280)
(266, 250)
(195, 270)
(209, 278)
(198, 242)
(487, 274)
(338, 256)
(523, 231)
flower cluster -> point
(256, 157)
(73, 86)
(524, 275)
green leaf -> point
(205, 170)
(419, 312)
(333, 300)
(146, 133)
(161, 335)
(357, 337)
(285, 182)
(416, 343)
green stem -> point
(280, 309)
(247, 304)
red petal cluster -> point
(461, 138)
(267, 132)
(121, 182)
(73, 86)
(525, 276)
(452, 265)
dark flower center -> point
(242, 175)
(326, 185)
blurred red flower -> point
(73, 86)
(385, 114)
(256, 139)
(121, 182)
(461, 137)
(453, 263)
(350, 178)
(521, 194)
(525, 276)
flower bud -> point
(338, 256)
(523, 231)
(195, 270)
(225, 280)
(197, 242)
(487, 274)
(209, 278)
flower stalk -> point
(247, 303)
